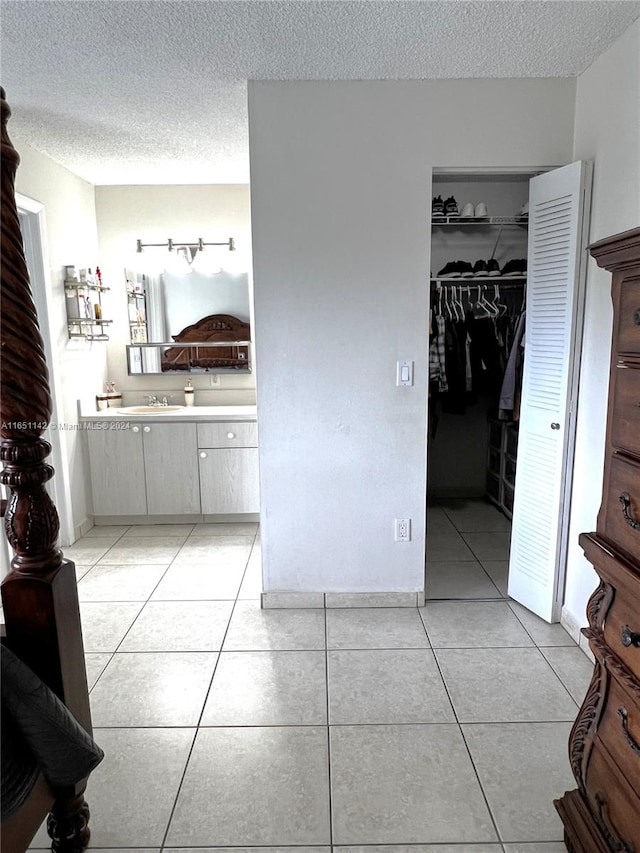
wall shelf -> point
(83, 302)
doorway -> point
(516, 271)
(32, 224)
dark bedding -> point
(39, 734)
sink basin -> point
(150, 410)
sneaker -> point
(480, 211)
(437, 208)
(450, 270)
(512, 268)
(467, 211)
(466, 270)
(451, 207)
(524, 211)
(493, 268)
(480, 269)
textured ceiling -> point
(154, 91)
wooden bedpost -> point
(39, 594)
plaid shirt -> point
(437, 372)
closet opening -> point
(477, 307)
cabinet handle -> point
(203, 455)
(615, 842)
(636, 316)
(624, 716)
(625, 500)
(629, 637)
(231, 435)
(146, 429)
(555, 426)
(135, 429)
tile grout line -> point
(204, 703)
(326, 666)
(466, 745)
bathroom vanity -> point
(200, 461)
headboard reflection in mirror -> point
(206, 312)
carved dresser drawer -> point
(625, 428)
(622, 506)
(622, 634)
(614, 803)
(619, 730)
(628, 313)
(602, 815)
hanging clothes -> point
(509, 406)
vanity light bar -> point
(172, 244)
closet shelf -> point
(449, 221)
(484, 279)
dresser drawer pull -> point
(625, 500)
(636, 316)
(629, 637)
(624, 716)
(615, 842)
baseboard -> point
(339, 600)
(574, 629)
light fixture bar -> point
(173, 244)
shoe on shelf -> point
(451, 207)
(480, 211)
(521, 266)
(480, 269)
(437, 208)
(512, 268)
(466, 270)
(524, 211)
(450, 270)
(493, 268)
(468, 211)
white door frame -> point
(469, 172)
(32, 224)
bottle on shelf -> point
(189, 394)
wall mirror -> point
(186, 319)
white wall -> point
(341, 198)
(153, 214)
(69, 208)
(607, 130)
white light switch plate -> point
(404, 373)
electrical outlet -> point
(403, 529)
(214, 378)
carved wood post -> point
(39, 595)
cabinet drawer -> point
(619, 730)
(621, 622)
(228, 434)
(493, 461)
(512, 439)
(613, 802)
(629, 317)
(622, 519)
(625, 428)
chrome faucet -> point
(153, 401)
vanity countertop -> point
(185, 414)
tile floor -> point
(440, 729)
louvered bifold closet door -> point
(558, 203)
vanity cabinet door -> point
(229, 480)
(117, 470)
(171, 469)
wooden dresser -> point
(603, 814)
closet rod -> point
(470, 282)
(173, 244)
